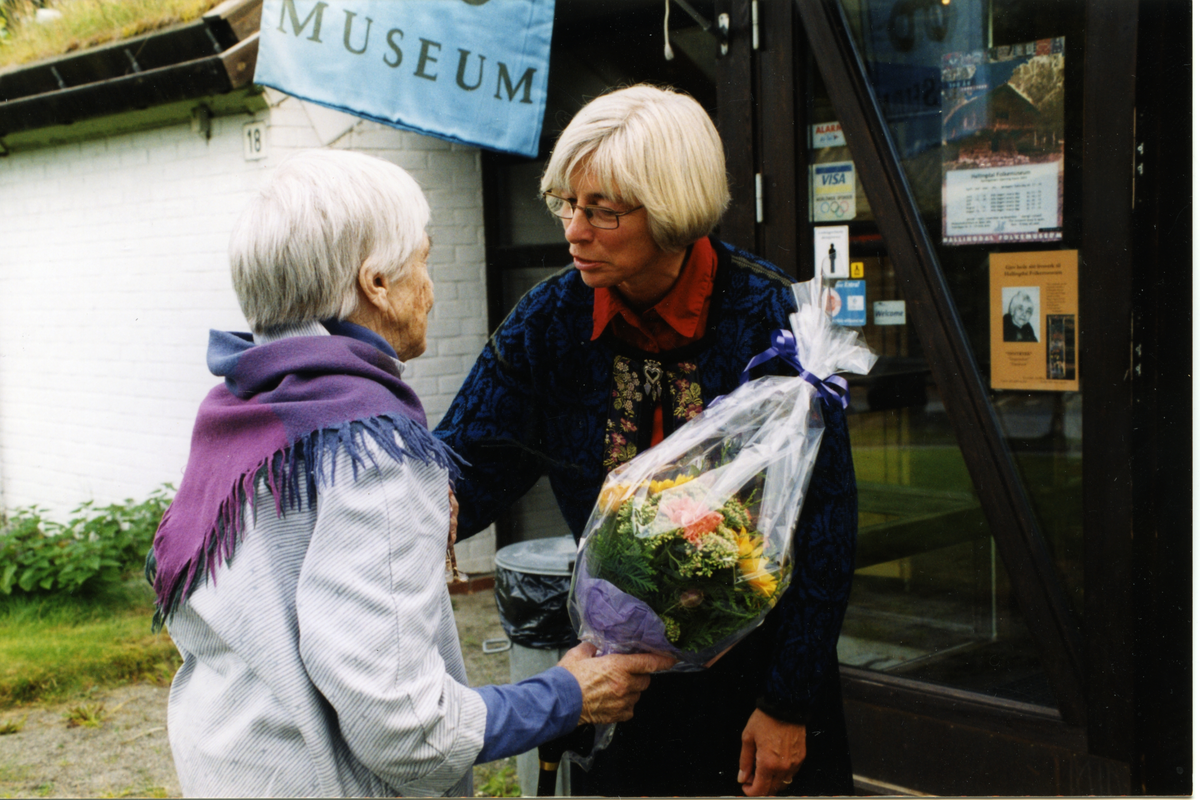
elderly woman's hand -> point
(453, 519)
(611, 684)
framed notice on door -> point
(1002, 144)
(1034, 320)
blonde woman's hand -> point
(772, 751)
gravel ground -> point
(127, 755)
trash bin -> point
(533, 579)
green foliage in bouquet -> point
(705, 578)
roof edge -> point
(249, 101)
(212, 55)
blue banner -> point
(470, 71)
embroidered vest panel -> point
(639, 386)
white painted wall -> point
(113, 268)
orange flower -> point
(693, 516)
(695, 530)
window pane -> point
(530, 222)
(931, 598)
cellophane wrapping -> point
(689, 544)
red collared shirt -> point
(676, 320)
(672, 322)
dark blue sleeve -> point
(814, 605)
(520, 716)
(491, 424)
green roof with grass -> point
(67, 26)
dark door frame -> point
(1162, 404)
(1105, 335)
(766, 154)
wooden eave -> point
(211, 56)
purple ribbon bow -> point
(783, 346)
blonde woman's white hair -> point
(649, 146)
(296, 250)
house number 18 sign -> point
(254, 140)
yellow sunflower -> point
(752, 564)
(656, 487)
(612, 496)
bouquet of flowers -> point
(689, 544)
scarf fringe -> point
(293, 476)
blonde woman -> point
(652, 320)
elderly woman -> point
(652, 321)
(300, 568)
(1017, 322)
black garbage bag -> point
(533, 609)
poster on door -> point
(1002, 144)
(1034, 320)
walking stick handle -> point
(551, 753)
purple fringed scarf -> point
(284, 408)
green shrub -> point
(96, 547)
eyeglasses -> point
(597, 216)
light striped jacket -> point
(323, 659)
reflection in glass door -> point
(932, 600)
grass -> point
(934, 466)
(1052, 480)
(87, 715)
(497, 779)
(67, 649)
(10, 726)
(13, 773)
(84, 24)
(56, 647)
(141, 790)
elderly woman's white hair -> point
(297, 248)
(1021, 298)
(648, 146)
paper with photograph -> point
(1034, 309)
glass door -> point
(981, 101)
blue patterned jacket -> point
(539, 401)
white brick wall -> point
(113, 268)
